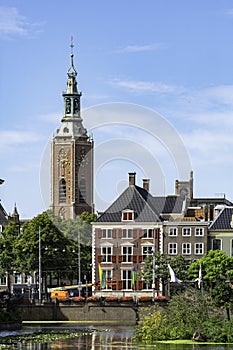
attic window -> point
(127, 215)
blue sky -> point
(174, 57)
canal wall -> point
(96, 313)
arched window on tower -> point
(62, 191)
(82, 191)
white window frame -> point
(186, 248)
(172, 249)
(127, 215)
(17, 278)
(199, 231)
(147, 250)
(173, 231)
(198, 248)
(127, 279)
(106, 233)
(108, 276)
(185, 230)
(128, 256)
(148, 233)
(3, 281)
(127, 233)
(106, 251)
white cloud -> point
(13, 23)
(16, 138)
(140, 48)
(147, 86)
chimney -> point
(132, 177)
(145, 183)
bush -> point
(178, 320)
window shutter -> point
(119, 285)
(114, 233)
(134, 258)
(140, 233)
(140, 258)
(99, 233)
(114, 283)
(140, 285)
(134, 233)
(120, 233)
(114, 258)
(120, 258)
(99, 258)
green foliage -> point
(217, 329)
(178, 320)
(217, 272)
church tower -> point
(71, 156)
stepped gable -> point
(134, 198)
(224, 220)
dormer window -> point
(127, 215)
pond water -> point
(92, 338)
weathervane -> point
(72, 70)
(72, 45)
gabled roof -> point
(136, 199)
(168, 205)
(223, 220)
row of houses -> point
(138, 224)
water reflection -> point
(101, 338)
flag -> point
(199, 279)
(133, 277)
(173, 277)
(102, 276)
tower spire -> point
(72, 71)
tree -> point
(58, 252)
(80, 231)
(8, 253)
(217, 274)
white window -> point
(147, 251)
(106, 252)
(172, 248)
(27, 279)
(199, 231)
(17, 278)
(106, 233)
(3, 281)
(126, 277)
(172, 231)
(186, 248)
(107, 278)
(186, 231)
(127, 215)
(148, 233)
(127, 233)
(127, 253)
(199, 248)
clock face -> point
(183, 192)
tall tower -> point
(71, 156)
